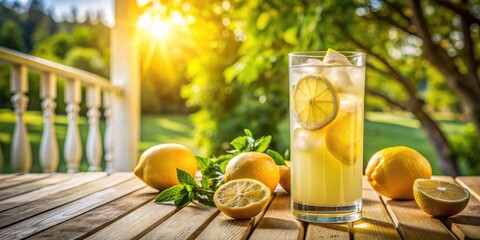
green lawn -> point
(381, 130)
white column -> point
(94, 140)
(108, 135)
(48, 147)
(73, 145)
(125, 73)
(20, 151)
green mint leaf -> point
(248, 132)
(277, 157)
(169, 194)
(204, 162)
(262, 144)
(250, 144)
(239, 143)
(182, 199)
(205, 199)
(223, 161)
(185, 178)
(205, 182)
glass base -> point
(327, 214)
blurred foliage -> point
(229, 66)
(466, 146)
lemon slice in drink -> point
(439, 198)
(315, 102)
(242, 198)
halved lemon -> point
(242, 198)
(315, 102)
(439, 198)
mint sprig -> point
(213, 170)
(187, 191)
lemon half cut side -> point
(242, 198)
(315, 102)
(439, 198)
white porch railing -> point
(96, 87)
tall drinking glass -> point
(327, 91)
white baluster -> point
(73, 145)
(48, 147)
(94, 140)
(21, 157)
(107, 142)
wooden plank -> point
(225, 227)
(96, 219)
(375, 222)
(23, 188)
(466, 224)
(139, 222)
(33, 208)
(65, 212)
(278, 222)
(4, 177)
(76, 180)
(22, 179)
(472, 183)
(187, 223)
(336, 231)
(413, 223)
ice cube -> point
(349, 105)
(313, 61)
(305, 140)
(309, 66)
(340, 79)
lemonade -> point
(326, 135)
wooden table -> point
(119, 206)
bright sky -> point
(63, 7)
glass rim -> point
(348, 54)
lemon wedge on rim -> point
(315, 102)
(334, 57)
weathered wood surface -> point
(119, 206)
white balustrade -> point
(108, 135)
(73, 146)
(48, 154)
(21, 159)
(94, 146)
(113, 96)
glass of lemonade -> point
(327, 92)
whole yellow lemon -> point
(158, 165)
(285, 180)
(254, 165)
(392, 171)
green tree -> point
(88, 59)
(11, 36)
(35, 16)
(402, 50)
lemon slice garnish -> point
(439, 198)
(315, 102)
(242, 198)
